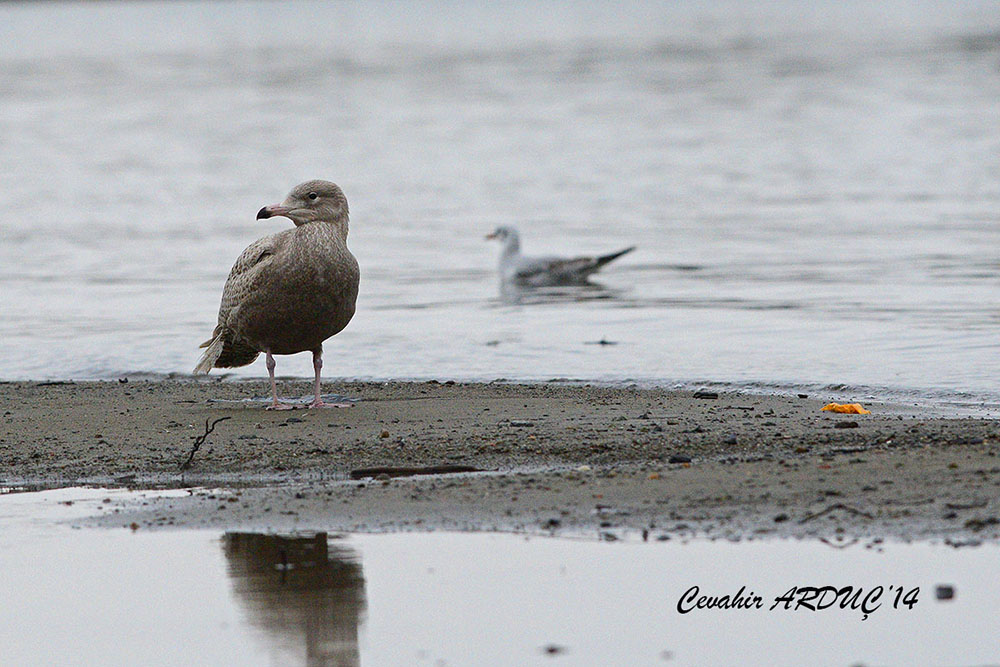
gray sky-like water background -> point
(813, 189)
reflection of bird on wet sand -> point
(307, 596)
(525, 271)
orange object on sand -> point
(848, 408)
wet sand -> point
(569, 459)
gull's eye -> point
(312, 195)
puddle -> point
(116, 597)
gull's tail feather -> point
(604, 259)
(211, 355)
(225, 351)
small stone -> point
(781, 518)
(979, 524)
(383, 435)
(679, 458)
(846, 425)
(521, 422)
(944, 592)
(704, 393)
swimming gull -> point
(544, 271)
(290, 291)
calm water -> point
(114, 597)
(814, 193)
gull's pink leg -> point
(318, 401)
(317, 367)
(275, 405)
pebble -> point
(944, 592)
(979, 524)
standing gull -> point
(290, 291)
(544, 271)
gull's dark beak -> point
(489, 237)
(271, 211)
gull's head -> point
(502, 234)
(312, 201)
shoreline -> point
(554, 457)
(931, 402)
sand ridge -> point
(555, 457)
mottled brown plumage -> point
(290, 291)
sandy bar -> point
(610, 461)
